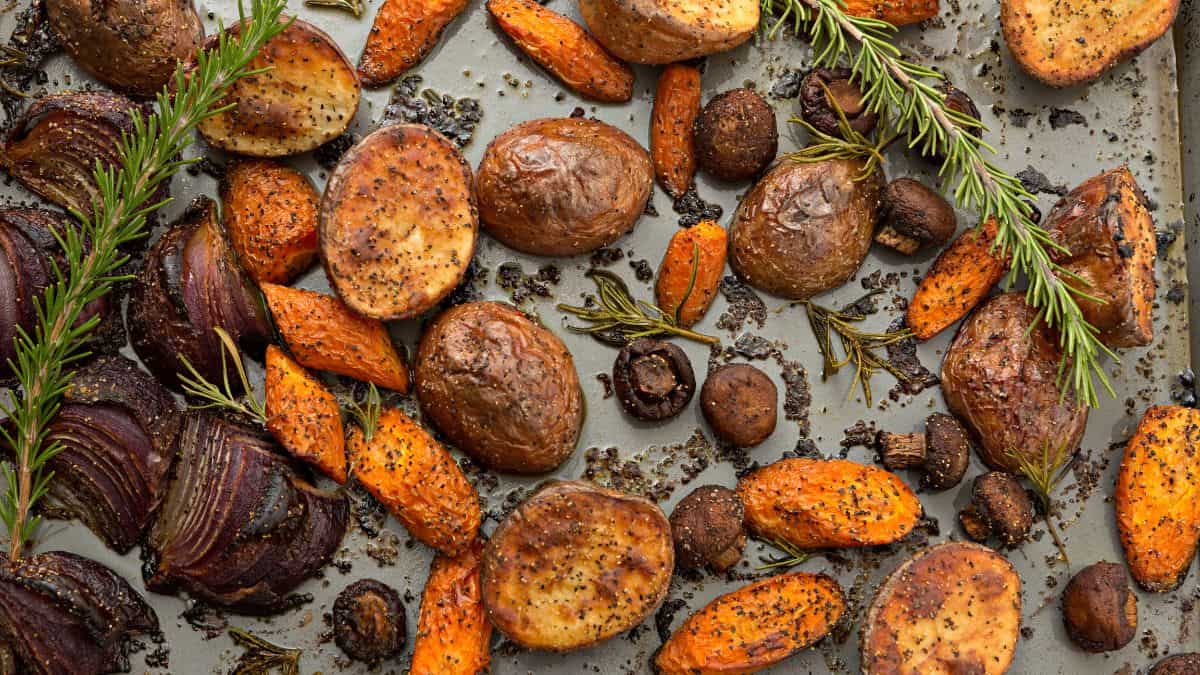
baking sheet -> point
(1130, 115)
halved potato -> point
(1068, 42)
(667, 31)
(308, 96)
(951, 608)
(576, 564)
(398, 222)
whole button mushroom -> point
(914, 217)
(1179, 664)
(1099, 609)
(999, 506)
(822, 89)
(368, 621)
(942, 452)
(736, 136)
(653, 379)
(707, 527)
(740, 403)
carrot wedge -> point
(403, 33)
(269, 210)
(304, 415)
(961, 277)
(895, 12)
(695, 253)
(672, 127)
(453, 632)
(323, 334)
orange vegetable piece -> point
(453, 632)
(323, 334)
(961, 277)
(673, 127)
(700, 248)
(565, 49)
(403, 33)
(895, 12)
(304, 416)
(269, 210)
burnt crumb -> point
(665, 616)
(1036, 182)
(35, 41)
(603, 257)
(788, 85)
(692, 209)
(647, 473)
(329, 154)
(744, 304)
(455, 118)
(384, 550)
(577, 113)
(650, 209)
(903, 355)
(606, 380)
(1184, 393)
(484, 481)
(470, 289)
(797, 396)
(205, 619)
(1027, 632)
(805, 448)
(1065, 117)
(642, 270)
(512, 278)
(159, 657)
(637, 632)
(1164, 238)
(1177, 293)
(752, 346)
(1125, 250)
(862, 307)
(1019, 117)
(367, 511)
(861, 433)
(208, 166)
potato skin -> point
(668, 31)
(500, 387)
(828, 503)
(805, 228)
(1000, 380)
(951, 608)
(576, 564)
(562, 187)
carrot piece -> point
(754, 627)
(409, 472)
(672, 127)
(323, 334)
(1158, 513)
(403, 33)
(565, 49)
(698, 251)
(304, 415)
(270, 212)
(453, 632)
(895, 12)
(959, 279)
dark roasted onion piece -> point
(190, 284)
(63, 613)
(240, 527)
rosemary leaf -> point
(212, 396)
(618, 318)
(355, 7)
(859, 347)
(1045, 473)
(262, 657)
(367, 413)
(791, 556)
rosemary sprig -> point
(262, 657)
(619, 318)
(212, 396)
(367, 413)
(149, 157)
(355, 7)
(851, 144)
(1045, 473)
(859, 347)
(791, 556)
(891, 83)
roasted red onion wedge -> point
(240, 528)
(63, 613)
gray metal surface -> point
(1130, 115)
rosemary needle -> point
(223, 397)
(353, 6)
(262, 657)
(859, 347)
(791, 556)
(1045, 473)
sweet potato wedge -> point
(303, 415)
(895, 12)
(754, 627)
(1158, 512)
(409, 472)
(951, 608)
(307, 95)
(961, 277)
(453, 631)
(398, 222)
(402, 35)
(669, 31)
(1108, 240)
(565, 49)
(834, 503)
(673, 127)
(1069, 42)
(695, 253)
(323, 334)
(269, 210)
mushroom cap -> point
(653, 379)
(1003, 504)
(707, 526)
(947, 452)
(1099, 609)
(918, 214)
(368, 621)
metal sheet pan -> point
(1130, 115)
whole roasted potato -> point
(500, 387)
(1000, 378)
(805, 227)
(668, 31)
(131, 45)
(562, 186)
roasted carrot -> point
(959, 279)
(690, 272)
(269, 210)
(453, 632)
(565, 49)
(323, 334)
(895, 12)
(403, 33)
(409, 472)
(304, 415)
(672, 127)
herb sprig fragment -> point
(618, 318)
(262, 657)
(1045, 472)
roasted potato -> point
(398, 222)
(754, 627)
(1107, 241)
(1069, 42)
(576, 564)
(130, 45)
(828, 503)
(453, 632)
(1000, 376)
(1158, 515)
(307, 95)
(959, 279)
(951, 608)
(805, 227)
(402, 34)
(667, 31)
(269, 210)
(500, 387)
(562, 186)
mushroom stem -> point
(902, 451)
(975, 526)
(895, 239)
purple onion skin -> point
(241, 528)
(63, 614)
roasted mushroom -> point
(822, 90)
(958, 101)
(707, 528)
(368, 621)
(914, 217)
(653, 379)
(943, 451)
(736, 136)
(999, 506)
(739, 401)
(1179, 664)
(1099, 608)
